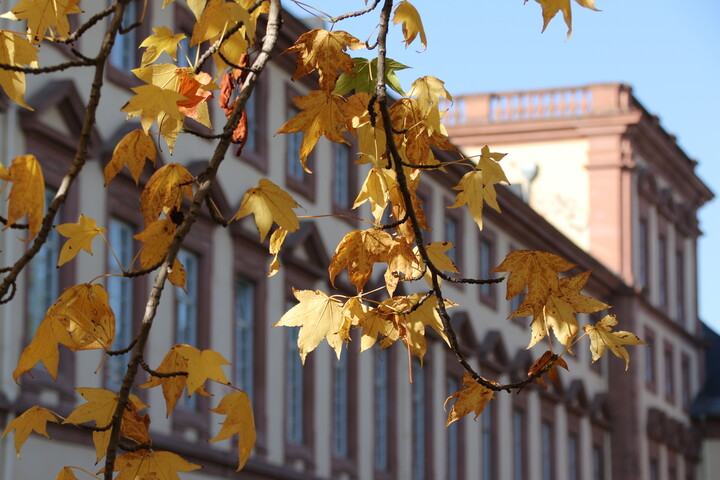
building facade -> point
(599, 182)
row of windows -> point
(667, 374)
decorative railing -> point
(542, 104)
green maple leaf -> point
(364, 77)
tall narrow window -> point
(488, 446)
(573, 461)
(598, 462)
(253, 120)
(123, 55)
(686, 383)
(518, 452)
(382, 412)
(669, 374)
(453, 437)
(43, 276)
(650, 360)
(342, 162)
(662, 271)
(294, 388)
(418, 421)
(680, 286)
(486, 256)
(186, 311)
(244, 338)
(120, 293)
(294, 141)
(340, 407)
(548, 455)
(644, 256)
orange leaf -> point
(27, 194)
(543, 362)
(33, 419)
(239, 421)
(132, 150)
(358, 251)
(80, 236)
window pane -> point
(120, 293)
(340, 407)
(451, 235)
(518, 444)
(547, 450)
(244, 338)
(488, 449)
(43, 276)
(294, 400)
(573, 457)
(382, 417)
(485, 264)
(294, 141)
(341, 176)
(122, 55)
(418, 421)
(186, 311)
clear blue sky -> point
(669, 51)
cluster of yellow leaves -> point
(553, 302)
(27, 193)
(550, 8)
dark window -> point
(680, 286)
(548, 455)
(454, 442)
(488, 444)
(418, 421)
(244, 335)
(573, 457)
(669, 374)
(120, 294)
(186, 312)
(644, 246)
(342, 161)
(294, 387)
(340, 431)
(382, 410)
(662, 271)
(518, 446)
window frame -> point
(488, 293)
(199, 242)
(352, 181)
(117, 75)
(391, 386)
(348, 463)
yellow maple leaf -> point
(402, 263)
(550, 8)
(151, 102)
(318, 316)
(80, 319)
(177, 275)
(44, 16)
(15, 50)
(472, 398)
(602, 337)
(34, 419)
(166, 189)
(558, 312)
(276, 241)
(196, 6)
(429, 91)
(157, 238)
(202, 365)
(66, 474)
(99, 408)
(324, 51)
(132, 151)
(381, 320)
(161, 41)
(172, 386)
(375, 190)
(80, 236)
(322, 113)
(240, 421)
(217, 17)
(358, 251)
(151, 464)
(27, 193)
(534, 270)
(478, 186)
(269, 203)
(412, 25)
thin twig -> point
(122, 351)
(356, 14)
(53, 68)
(87, 25)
